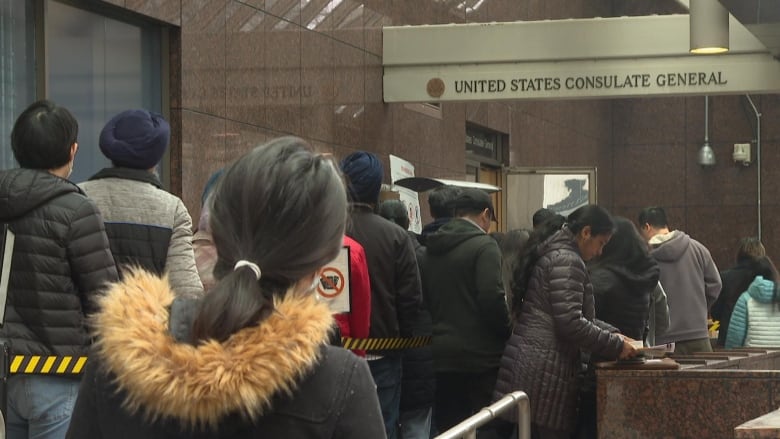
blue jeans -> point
(416, 424)
(387, 377)
(40, 406)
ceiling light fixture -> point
(709, 23)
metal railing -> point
(468, 428)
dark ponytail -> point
(528, 257)
(281, 207)
(240, 300)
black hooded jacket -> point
(61, 261)
(462, 287)
(622, 295)
(736, 281)
(392, 267)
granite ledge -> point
(746, 363)
(767, 426)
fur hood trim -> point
(199, 385)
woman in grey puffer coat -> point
(554, 319)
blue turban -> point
(135, 139)
(364, 174)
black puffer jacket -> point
(61, 262)
(542, 356)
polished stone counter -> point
(707, 397)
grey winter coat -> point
(542, 356)
(692, 284)
(146, 225)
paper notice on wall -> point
(565, 193)
(400, 168)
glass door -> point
(97, 67)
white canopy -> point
(422, 184)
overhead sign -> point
(568, 59)
(583, 79)
(596, 82)
(333, 286)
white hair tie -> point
(252, 265)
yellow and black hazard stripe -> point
(47, 364)
(73, 365)
(385, 344)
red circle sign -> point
(331, 280)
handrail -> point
(468, 428)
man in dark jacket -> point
(462, 286)
(395, 279)
(61, 262)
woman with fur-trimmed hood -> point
(251, 359)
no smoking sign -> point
(333, 286)
(331, 283)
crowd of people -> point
(219, 332)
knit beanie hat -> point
(364, 173)
(135, 139)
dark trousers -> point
(539, 432)
(460, 395)
(587, 417)
(387, 377)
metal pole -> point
(706, 120)
(758, 160)
(523, 416)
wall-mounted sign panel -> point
(482, 142)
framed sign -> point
(561, 190)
